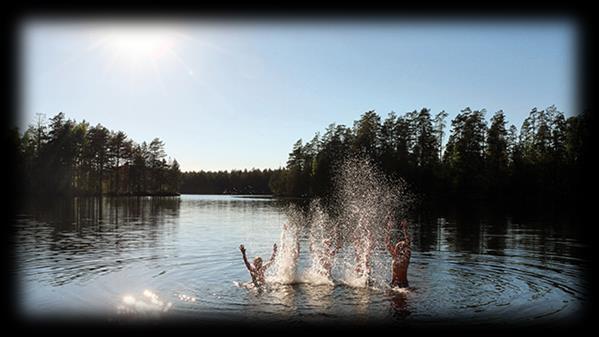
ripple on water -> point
(192, 263)
(487, 288)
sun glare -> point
(139, 44)
(141, 52)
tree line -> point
(252, 181)
(476, 160)
(63, 157)
(467, 158)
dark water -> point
(125, 258)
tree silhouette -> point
(539, 165)
(63, 157)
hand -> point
(242, 248)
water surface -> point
(161, 257)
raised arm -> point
(391, 248)
(406, 234)
(245, 259)
(272, 258)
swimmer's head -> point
(257, 261)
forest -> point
(480, 160)
(469, 158)
(63, 157)
(254, 181)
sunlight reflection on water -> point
(147, 304)
(165, 257)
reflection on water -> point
(148, 304)
(89, 237)
(178, 256)
(399, 305)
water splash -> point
(324, 242)
(346, 236)
(284, 270)
(364, 199)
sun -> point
(138, 53)
(138, 44)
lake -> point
(121, 259)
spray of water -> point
(365, 199)
(345, 237)
(324, 242)
(284, 270)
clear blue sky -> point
(239, 94)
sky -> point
(234, 94)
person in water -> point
(257, 268)
(400, 254)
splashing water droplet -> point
(346, 232)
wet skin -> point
(400, 254)
(257, 268)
